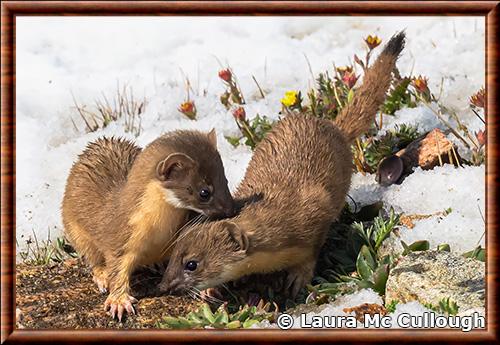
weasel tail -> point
(356, 117)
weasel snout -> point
(171, 287)
(223, 210)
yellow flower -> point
(372, 41)
(290, 99)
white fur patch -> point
(196, 210)
(172, 199)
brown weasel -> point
(298, 179)
(123, 206)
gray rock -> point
(429, 276)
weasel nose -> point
(171, 287)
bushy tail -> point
(356, 117)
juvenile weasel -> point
(299, 177)
(123, 206)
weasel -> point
(123, 206)
(298, 179)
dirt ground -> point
(62, 295)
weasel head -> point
(206, 255)
(196, 180)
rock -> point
(429, 276)
(366, 308)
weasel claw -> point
(112, 310)
(118, 306)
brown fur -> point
(297, 182)
(123, 206)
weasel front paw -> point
(117, 304)
(211, 294)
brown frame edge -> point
(10, 9)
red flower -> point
(478, 98)
(420, 84)
(349, 79)
(226, 75)
(189, 109)
(239, 114)
(481, 137)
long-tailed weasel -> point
(123, 206)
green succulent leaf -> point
(249, 323)
(235, 141)
(207, 313)
(416, 246)
(234, 324)
(419, 246)
(380, 279)
(364, 265)
(445, 247)
(478, 253)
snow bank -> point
(87, 56)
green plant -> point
(376, 233)
(326, 292)
(355, 257)
(445, 247)
(203, 317)
(252, 131)
(477, 253)
(232, 95)
(373, 270)
(330, 95)
(374, 150)
(446, 306)
(398, 97)
(416, 246)
(391, 306)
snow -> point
(87, 56)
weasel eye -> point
(191, 265)
(204, 194)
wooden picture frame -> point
(10, 9)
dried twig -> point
(258, 86)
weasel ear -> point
(174, 166)
(237, 235)
(212, 137)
